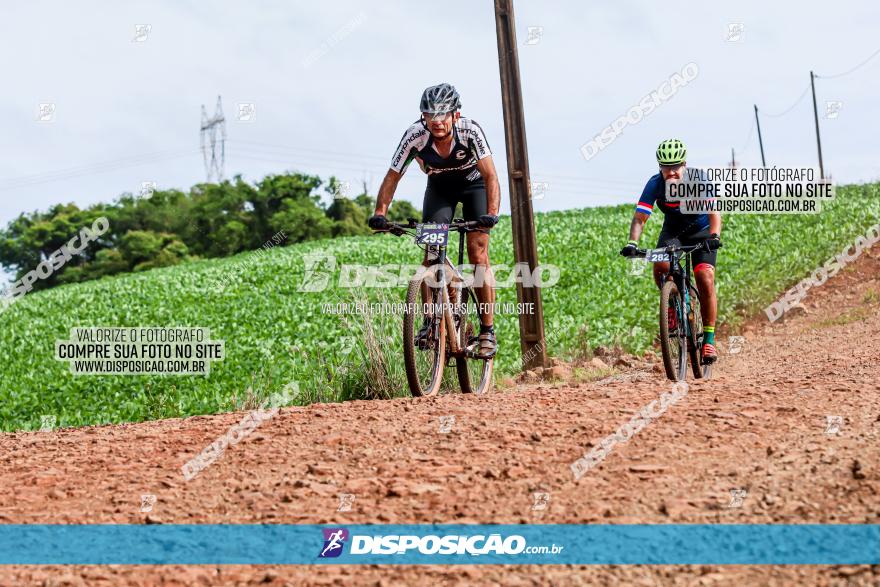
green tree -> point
(145, 249)
(301, 220)
(32, 238)
(349, 219)
(172, 226)
(402, 210)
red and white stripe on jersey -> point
(644, 208)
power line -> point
(289, 155)
(790, 108)
(91, 169)
(369, 159)
(748, 138)
(270, 154)
(812, 87)
(359, 164)
(268, 158)
(309, 150)
(570, 178)
(849, 71)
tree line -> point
(167, 227)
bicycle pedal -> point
(474, 355)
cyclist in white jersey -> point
(454, 153)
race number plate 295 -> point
(432, 234)
(657, 255)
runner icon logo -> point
(345, 501)
(334, 540)
(446, 424)
(148, 500)
(737, 496)
(735, 344)
(541, 500)
(833, 424)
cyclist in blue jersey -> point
(454, 153)
(688, 229)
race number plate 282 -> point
(657, 255)
(432, 234)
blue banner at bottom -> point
(457, 544)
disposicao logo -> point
(334, 540)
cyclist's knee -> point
(477, 240)
(478, 253)
(704, 274)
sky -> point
(334, 85)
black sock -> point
(486, 329)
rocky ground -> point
(788, 430)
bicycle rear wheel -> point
(474, 375)
(424, 362)
(695, 340)
(673, 342)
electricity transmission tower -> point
(210, 129)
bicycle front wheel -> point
(424, 358)
(474, 375)
(673, 341)
(695, 340)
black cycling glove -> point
(630, 249)
(713, 242)
(378, 222)
(487, 220)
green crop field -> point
(275, 334)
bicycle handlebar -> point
(457, 224)
(678, 248)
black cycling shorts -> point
(698, 257)
(442, 197)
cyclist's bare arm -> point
(486, 167)
(637, 225)
(386, 192)
(715, 223)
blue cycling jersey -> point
(674, 221)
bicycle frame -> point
(687, 337)
(454, 347)
(682, 279)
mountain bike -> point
(443, 307)
(681, 324)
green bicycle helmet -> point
(671, 152)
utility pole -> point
(816, 118)
(760, 139)
(525, 247)
(732, 159)
(208, 136)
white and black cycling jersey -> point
(469, 146)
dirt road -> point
(790, 425)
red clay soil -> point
(760, 425)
